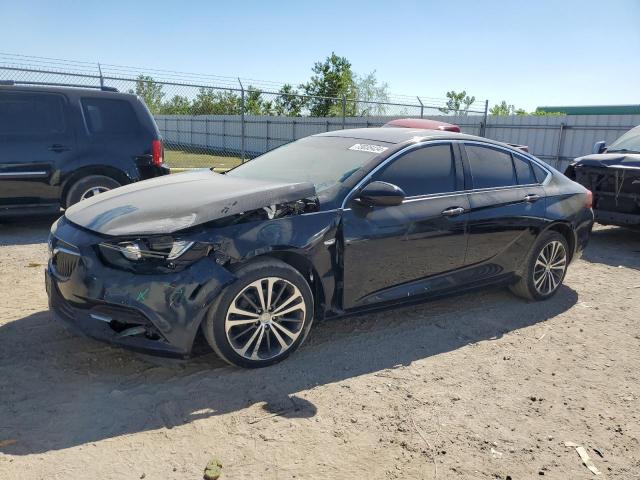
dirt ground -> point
(477, 386)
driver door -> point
(390, 252)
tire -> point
(535, 284)
(86, 187)
(237, 337)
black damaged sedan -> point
(332, 224)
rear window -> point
(490, 167)
(540, 173)
(31, 114)
(524, 171)
(109, 116)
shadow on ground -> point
(26, 230)
(58, 390)
(614, 246)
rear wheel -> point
(545, 268)
(262, 317)
(88, 187)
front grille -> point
(64, 260)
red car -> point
(436, 125)
(422, 123)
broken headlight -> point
(152, 254)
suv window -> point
(424, 171)
(524, 171)
(109, 116)
(490, 167)
(31, 113)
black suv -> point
(61, 145)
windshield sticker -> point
(365, 147)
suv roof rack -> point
(52, 84)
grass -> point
(180, 160)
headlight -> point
(152, 254)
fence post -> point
(483, 126)
(421, 107)
(560, 144)
(242, 126)
(101, 77)
(344, 111)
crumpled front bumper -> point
(158, 313)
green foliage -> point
(542, 113)
(178, 105)
(216, 102)
(332, 78)
(503, 109)
(150, 92)
(288, 103)
(458, 103)
(369, 90)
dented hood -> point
(175, 202)
(619, 160)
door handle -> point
(532, 197)
(56, 147)
(453, 211)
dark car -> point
(613, 175)
(62, 145)
(331, 224)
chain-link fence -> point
(212, 121)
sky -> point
(529, 53)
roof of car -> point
(401, 135)
(70, 91)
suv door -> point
(507, 205)
(389, 251)
(35, 138)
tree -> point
(332, 78)
(503, 109)
(288, 102)
(255, 104)
(458, 103)
(150, 92)
(369, 90)
(211, 102)
(178, 105)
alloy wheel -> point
(265, 319)
(93, 191)
(549, 268)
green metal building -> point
(594, 110)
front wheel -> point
(545, 268)
(262, 317)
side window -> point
(524, 171)
(539, 172)
(109, 116)
(490, 167)
(31, 114)
(423, 171)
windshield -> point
(323, 161)
(629, 142)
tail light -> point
(157, 152)
(589, 202)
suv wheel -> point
(88, 187)
(262, 317)
(545, 268)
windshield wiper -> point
(622, 150)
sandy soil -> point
(478, 386)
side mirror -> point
(380, 194)
(599, 147)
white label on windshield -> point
(365, 147)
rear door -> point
(507, 205)
(389, 251)
(35, 139)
